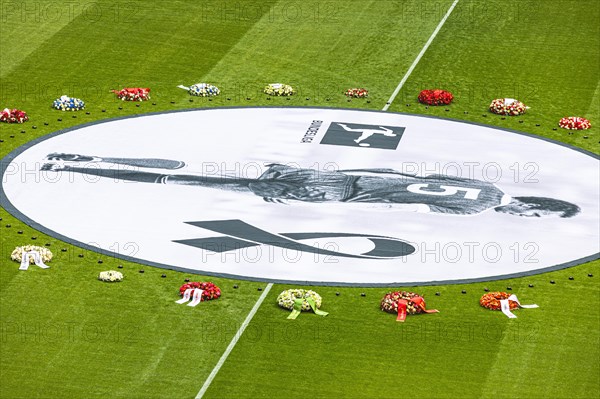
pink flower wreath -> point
(13, 116)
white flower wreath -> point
(110, 276)
(508, 106)
(279, 89)
(45, 253)
(287, 298)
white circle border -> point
(11, 209)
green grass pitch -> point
(64, 335)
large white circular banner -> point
(323, 196)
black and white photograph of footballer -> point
(437, 193)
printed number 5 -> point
(470, 193)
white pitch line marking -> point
(233, 342)
(416, 61)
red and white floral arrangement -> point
(13, 116)
(133, 94)
(574, 123)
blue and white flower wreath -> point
(202, 90)
(66, 103)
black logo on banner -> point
(238, 234)
(360, 135)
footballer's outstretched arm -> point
(155, 163)
(232, 184)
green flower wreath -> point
(287, 298)
(300, 301)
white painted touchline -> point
(234, 341)
(416, 61)
(239, 333)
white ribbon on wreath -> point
(197, 297)
(194, 293)
(37, 258)
(505, 306)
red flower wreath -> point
(13, 116)
(133, 94)
(491, 300)
(209, 290)
(403, 303)
(574, 123)
(357, 93)
(435, 97)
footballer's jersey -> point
(309, 185)
(434, 193)
(440, 193)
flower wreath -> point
(13, 116)
(508, 106)
(133, 94)
(357, 93)
(298, 300)
(209, 290)
(204, 90)
(111, 276)
(504, 302)
(45, 253)
(66, 103)
(435, 97)
(574, 123)
(491, 300)
(279, 89)
(403, 303)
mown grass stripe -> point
(416, 61)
